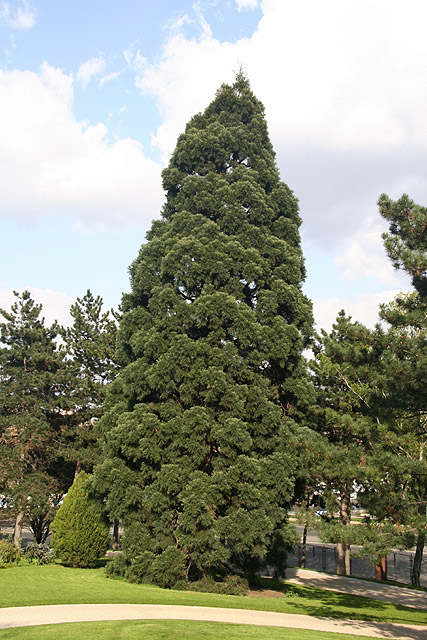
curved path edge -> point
(56, 614)
(358, 587)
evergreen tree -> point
(403, 401)
(211, 339)
(90, 342)
(80, 534)
(405, 355)
(343, 372)
(364, 446)
(32, 380)
(406, 241)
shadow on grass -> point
(332, 604)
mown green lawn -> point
(55, 584)
(165, 630)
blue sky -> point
(94, 94)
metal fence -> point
(324, 558)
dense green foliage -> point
(198, 421)
(80, 534)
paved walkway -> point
(54, 614)
(378, 591)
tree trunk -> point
(347, 560)
(40, 528)
(416, 569)
(304, 536)
(17, 532)
(115, 542)
(341, 559)
(381, 569)
(77, 469)
(343, 548)
(304, 547)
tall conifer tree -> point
(211, 339)
(32, 384)
(405, 354)
(90, 342)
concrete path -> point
(377, 591)
(54, 614)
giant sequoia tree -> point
(211, 338)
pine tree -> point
(405, 354)
(343, 374)
(363, 452)
(211, 339)
(90, 343)
(32, 380)
(406, 241)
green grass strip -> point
(165, 630)
(55, 584)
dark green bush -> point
(117, 567)
(80, 534)
(141, 568)
(232, 585)
(169, 568)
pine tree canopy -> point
(211, 339)
(406, 242)
(32, 384)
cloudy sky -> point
(94, 93)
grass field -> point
(165, 630)
(55, 584)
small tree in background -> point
(91, 343)
(33, 384)
(80, 534)
(343, 372)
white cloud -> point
(18, 15)
(336, 73)
(50, 164)
(134, 58)
(365, 257)
(246, 5)
(342, 89)
(89, 69)
(55, 305)
(109, 78)
(363, 308)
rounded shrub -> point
(80, 533)
(38, 553)
(9, 554)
